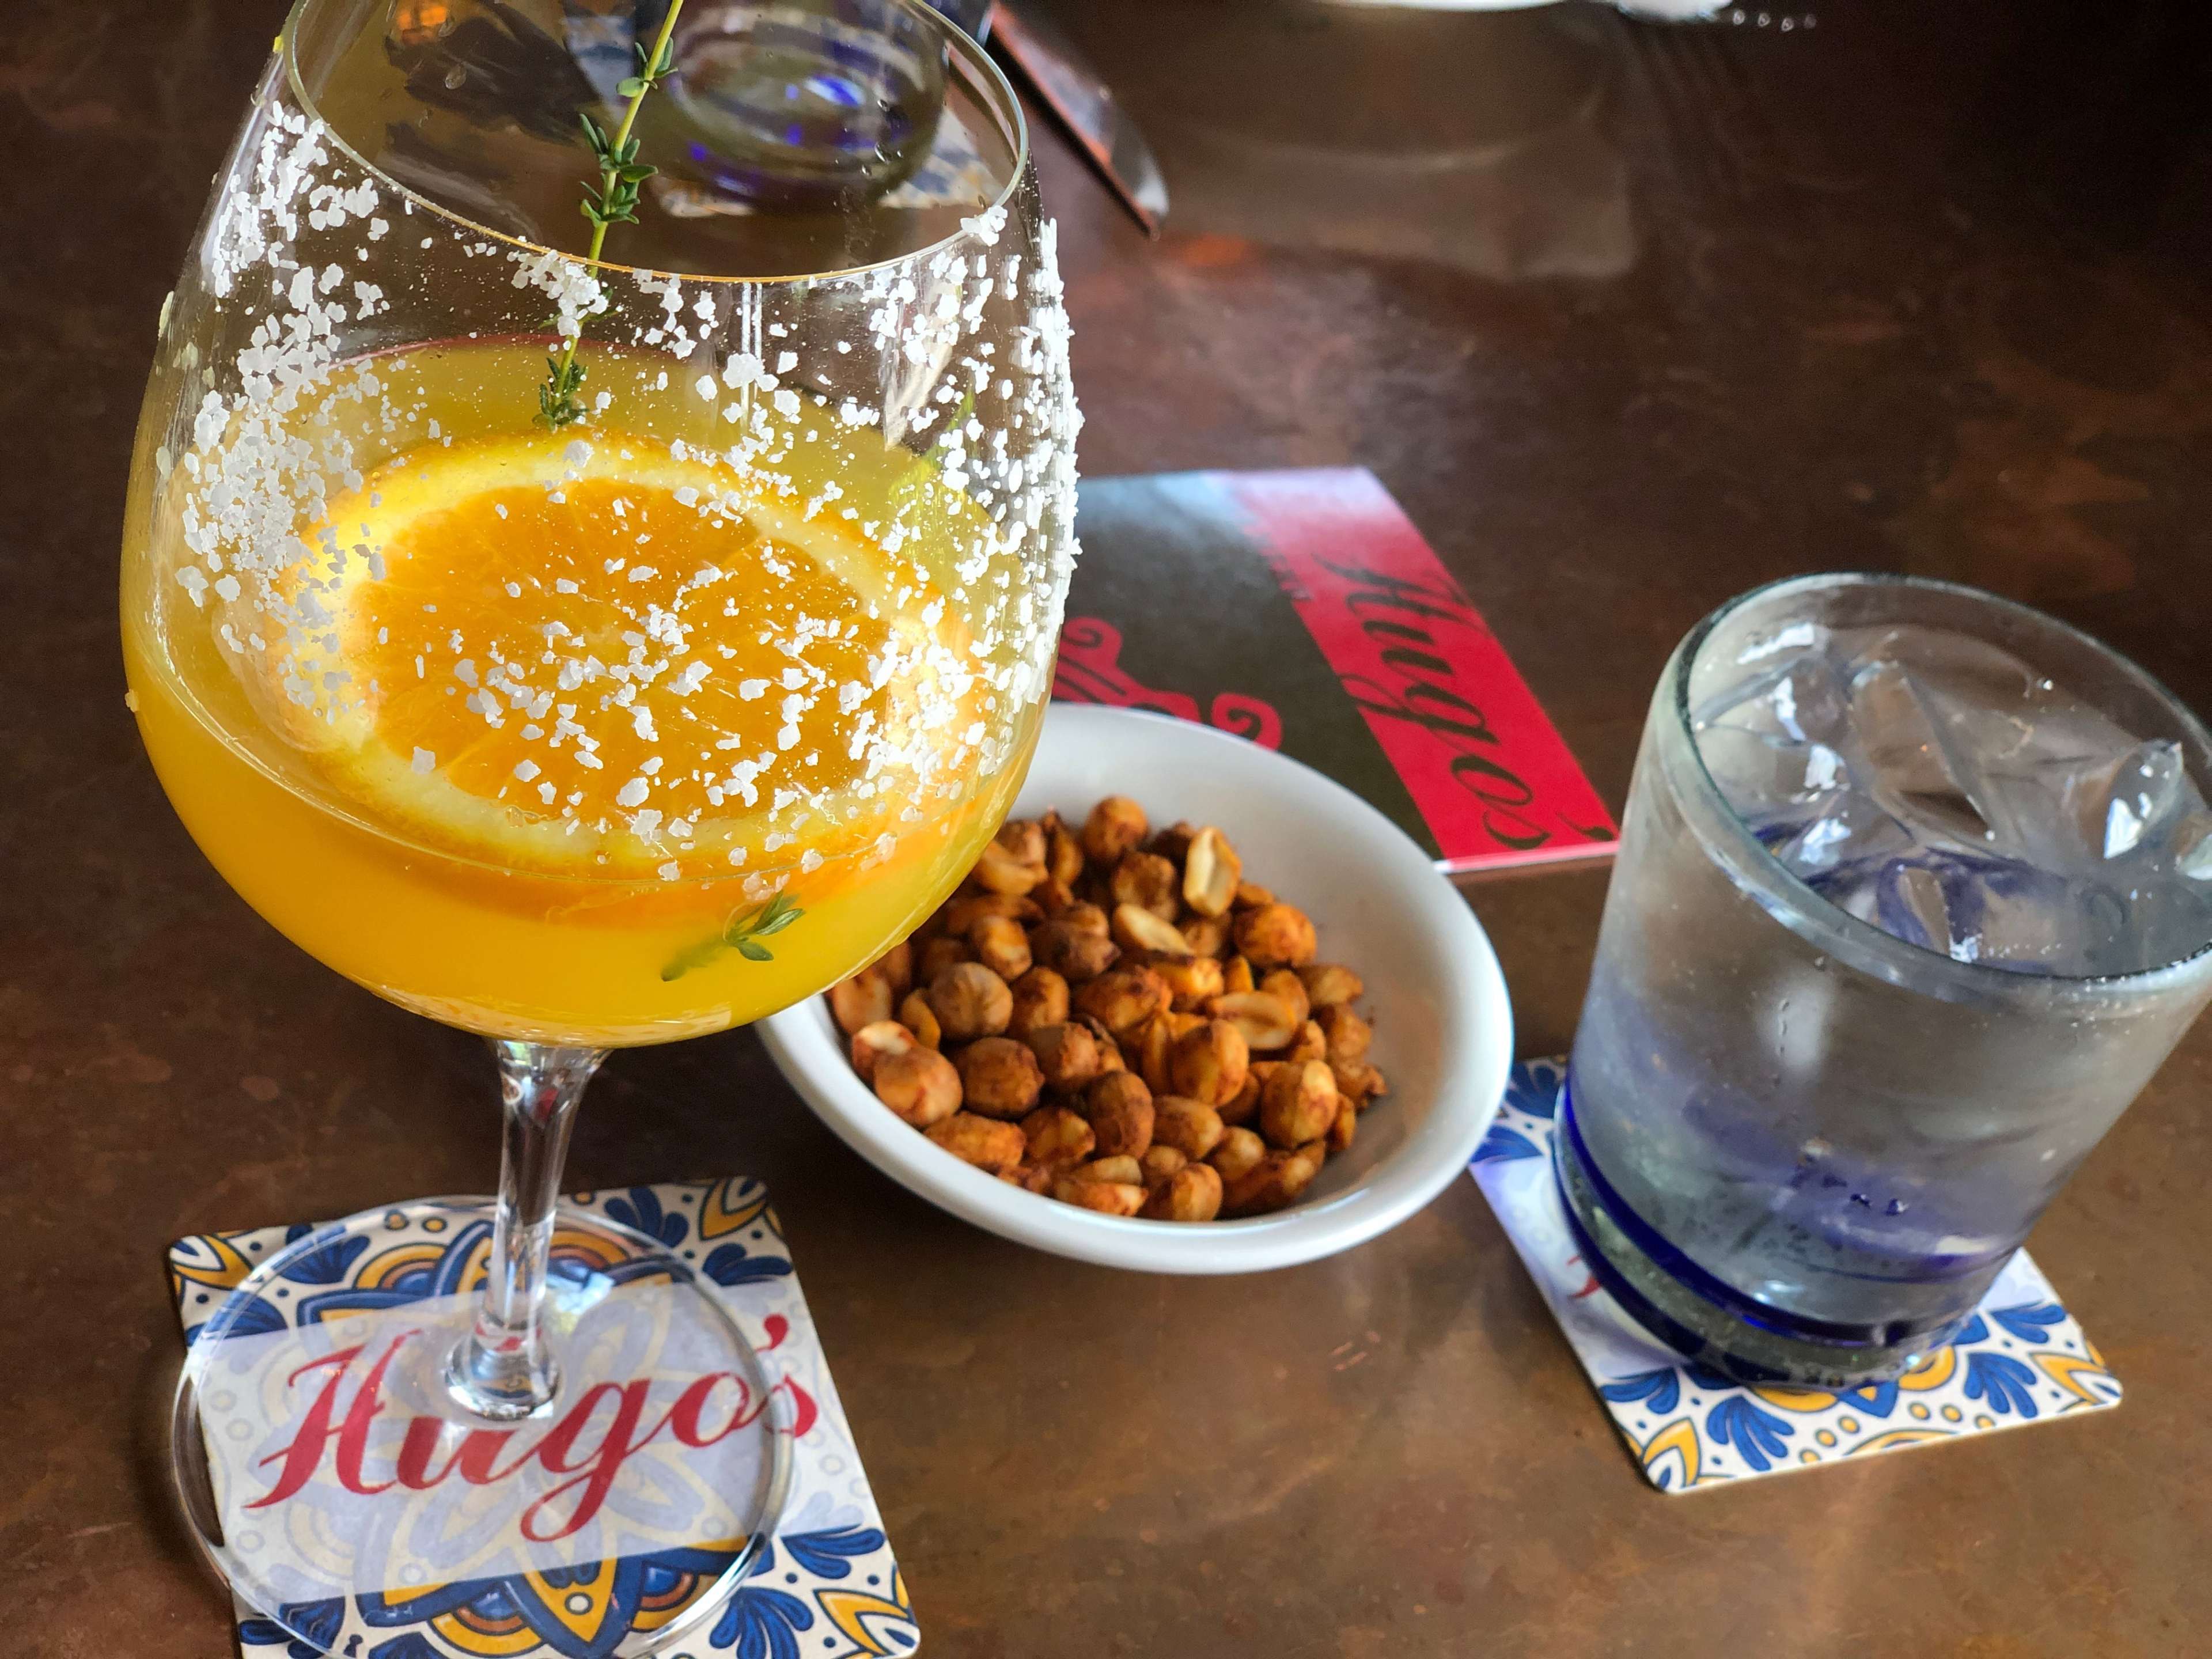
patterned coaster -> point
(826, 1585)
(2020, 1359)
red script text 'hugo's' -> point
(710, 1407)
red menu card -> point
(1304, 611)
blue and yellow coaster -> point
(827, 1587)
(2020, 1359)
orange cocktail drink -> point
(587, 738)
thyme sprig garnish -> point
(622, 175)
(742, 934)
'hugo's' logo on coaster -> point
(588, 1443)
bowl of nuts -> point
(1197, 1009)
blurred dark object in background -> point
(2103, 108)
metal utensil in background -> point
(1060, 74)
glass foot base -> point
(340, 1488)
(1747, 1343)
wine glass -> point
(588, 631)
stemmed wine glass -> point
(588, 631)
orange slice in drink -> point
(566, 654)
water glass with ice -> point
(1914, 895)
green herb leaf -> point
(615, 201)
(752, 952)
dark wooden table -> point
(1629, 319)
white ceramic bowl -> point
(1443, 1031)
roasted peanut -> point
(1063, 857)
(1076, 954)
(919, 1084)
(1275, 936)
(871, 1043)
(1309, 1044)
(1244, 1105)
(1040, 999)
(1159, 1162)
(1031, 1179)
(1280, 983)
(1191, 1194)
(1209, 1062)
(1110, 1057)
(1052, 895)
(1000, 1076)
(1239, 1150)
(1191, 1127)
(1146, 1047)
(1115, 825)
(1173, 843)
(1236, 976)
(1119, 1108)
(1250, 896)
(1346, 1033)
(1298, 1104)
(1087, 918)
(1149, 882)
(980, 1141)
(1108, 1197)
(1123, 999)
(1275, 1180)
(959, 918)
(1260, 1019)
(1358, 1082)
(1191, 981)
(1000, 945)
(1024, 840)
(999, 871)
(897, 965)
(1207, 936)
(1329, 982)
(1115, 1166)
(1340, 1133)
(1067, 1053)
(1137, 929)
(940, 954)
(919, 1018)
(1057, 1135)
(969, 1000)
(1211, 871)
(864, 999)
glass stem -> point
(502, 1368)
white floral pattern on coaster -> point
(2020, 1359)
(827, 1587)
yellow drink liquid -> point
(549, 736)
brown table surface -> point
(1629, 319)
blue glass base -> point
(1702, 1316)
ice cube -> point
(1910, 905)
(1797, 699)
(1917, 764)
(1939, 788)
(2118, 806)
(1759, 777)
(2190, 848)
(1840, 853)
